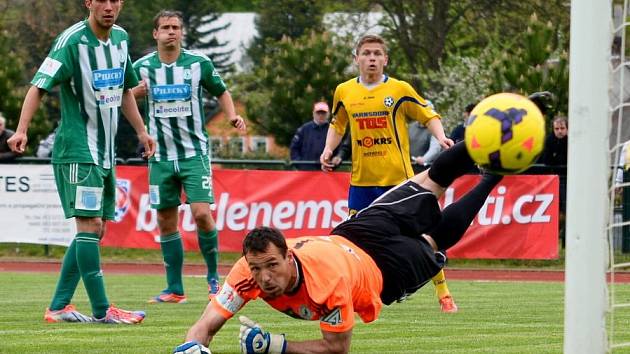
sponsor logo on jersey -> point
(123, 198)
(388, 101)
(173, 109)
(369, 141)
(333, 318)
(370, 114)
(180, 92)
(372, 123)
(109, 98)
(105, 78)
(49, 67)
(88, 198)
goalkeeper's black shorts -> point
(390, 230)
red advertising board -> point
(519, 219)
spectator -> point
(423, 146)
(309, 139)
(555, 155)
(555, 152)
(457, 134)
(6, 155)
(45, 147)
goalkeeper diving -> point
(379, 256)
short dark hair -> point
(167, 14)
(370, 38)
(561, 119)
(259, 239)
(470, 107)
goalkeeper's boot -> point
(166, 296)
(213, 288)
(448, 304)
(115, 315)
(66, 314)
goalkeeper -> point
(378, 256)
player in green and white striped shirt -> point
(90, 62)
(172, 81)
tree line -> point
(454, 52)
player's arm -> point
(227, 105)
(140, 91)
(333, 139)
(254, 339)
(130, 109)
(207, 326)
(33, 98)
(336, 131)
(437, 129)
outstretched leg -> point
(456, 217)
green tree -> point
(279, 93)
(422, 34)
(11, 72)
(535, 61)
(464, 80)
(283, 18)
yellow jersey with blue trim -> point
(377, 117)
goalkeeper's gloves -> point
(542, 99)
(192, 347)
(254, 340)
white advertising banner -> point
(30, 211)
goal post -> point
(588, 205)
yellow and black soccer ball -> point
(505, 133)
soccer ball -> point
(505, 133)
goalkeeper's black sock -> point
(450, 164)
(456, 217)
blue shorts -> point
(360, 197)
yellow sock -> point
(439, 280)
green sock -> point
(89, 261)
(68, 279)
(173, 254)
(209, 246)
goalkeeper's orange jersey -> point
(337, 280)
(378, 128)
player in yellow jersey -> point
(377, 107)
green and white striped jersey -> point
(174, 106)
(92, 75)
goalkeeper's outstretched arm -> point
(254, 339)
(206, 327)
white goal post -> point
(588, 170)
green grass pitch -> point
(494, 317)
